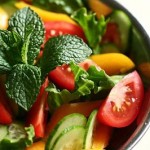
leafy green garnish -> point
(9, 50)
(28, 25)
(93, 80)
(61, 6)
(63, 49)
(21, 81)
(17, 137)
(93, 28)
(19, 46)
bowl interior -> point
(139, 52)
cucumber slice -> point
(89, 130)
(67, 121)
(124, 24)
(109, 48)
(70, 139)
(3, 131)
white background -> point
(141, 10)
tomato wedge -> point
(123, 103)
(55, 28)
(37, 114)
(63, 77)
(5, 114)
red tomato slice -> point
(63, 77)
(123, 103)
(55, 28)
(37, 114)
(112, 34)
(5, 111)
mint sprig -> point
(19, 46)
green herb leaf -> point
(26, 23)
(9, 50)
(23, 84)
(63, 49)
(61, 6)
(93, 28)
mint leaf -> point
(9, 50)
(26, 23)
(23, 84)
(93, 28)
(63, 49)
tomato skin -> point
(5, 111)
(123, 103)
(112, 34)
(55, 28)
(63, 77)
(38, 114)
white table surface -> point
(141, 10)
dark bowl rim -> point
(146, 124)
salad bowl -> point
(75, 75)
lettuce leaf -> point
(93, 28)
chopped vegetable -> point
(118, 63)
(93, 28)
(59, 6)
(40, 145)
(123, 103)
(17, 137)
(6, 114)
(68, 121)
(46, 15)
(101, 136)
(84, 108)
(37, 115)
(99, 8)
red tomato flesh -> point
(63, 77)
(112, 34)
(55, 28)
(38, 114)
(122, 105)
(5, 114)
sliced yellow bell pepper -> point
(3, 18)
(46, 15)
(40, 145)
(113, 63)
(101, 136)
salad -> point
(68, 79)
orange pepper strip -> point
(113, 63)
(84, 108)
(40, 145)
(99, 8)
(46, 15)
(101, 136)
